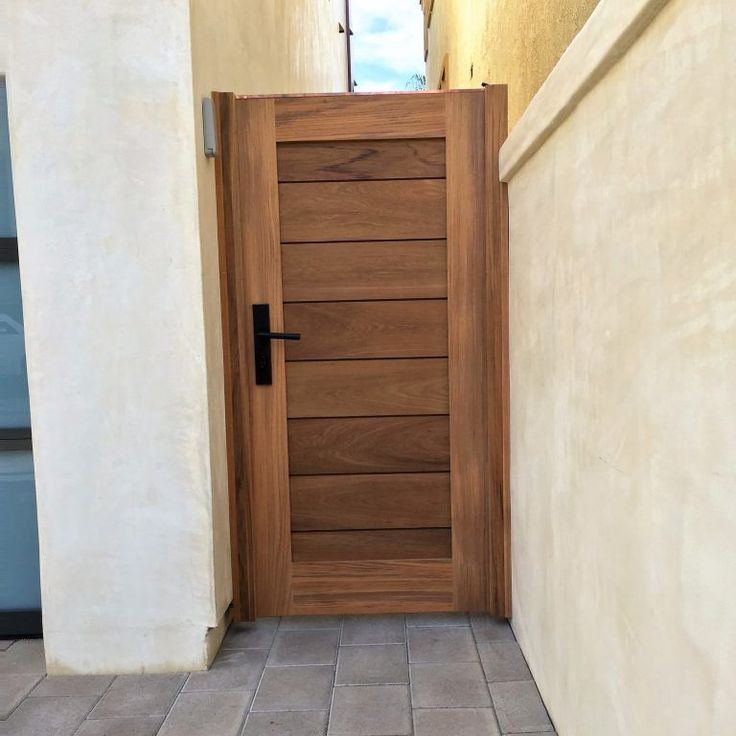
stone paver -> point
(295, 688)
(46, 717)
(195, 714)
(371, 710)
(13, 688)
(381, 675)
(455, 722)
(5, 643)
(442, 644)
(389, 629)
(372, 664)
(139, 695)
(519, 708)
(305, 646)
(452, 685)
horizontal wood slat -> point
(371, 501)
(369, 270)
(360, 116)
(385, 329)
(362, 210)
(341, 160)
(367, 388)
(375, 544)
(375, 586)
(368, 445)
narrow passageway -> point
(394, 675)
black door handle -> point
(262, 337)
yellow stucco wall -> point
(514, 42)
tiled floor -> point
(425, 674)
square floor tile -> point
(437, 619)
(292, 623)
(70, 685)
(503, 661)
(371, 710)
(388, 629)
(490, 628)
(231, 670)
(13, 688)
(24, 657)
(311, 646)
(139, 695)
(455, 685)
(372, 664)
(287, 723)
(295, 688)
(144, 726)
(442, 644)
(251, 635)
(195, 714)
(455, 722)
(519, 707)
(46, 717)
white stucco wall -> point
(623, 378)
(249, 47)
(118, 271)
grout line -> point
(334, 677)
(173, 702)
(106, 691)
(249, 709)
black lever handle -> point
(262, 337)
(279, 335)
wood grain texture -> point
(497, 288)
(260, 280)
(377, 586)
(370, 501)
(344, 160)
(368, 445)
(367, 388)
(373, 544)
(237, 425)
(368, 270)
(356, 117)
(380, 329)
(466, 233)
(362, 210)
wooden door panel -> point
(367, 270)
(372, 586)
(368, 445)
(344, 160)
(366, 388)
(371, 501)
(370, 225)
(374, 544)
(380, 329)
(359, 117)
(362, 210)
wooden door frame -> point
(237, 358)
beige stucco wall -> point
(623, 385)
(514, 42)
(249, 47)
(117, 248)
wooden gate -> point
(368, 457)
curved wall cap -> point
(610, 32)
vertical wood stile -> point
(260, 280)
(237, 420)
(466, 254)
(497, 241)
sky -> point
(387, 45)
